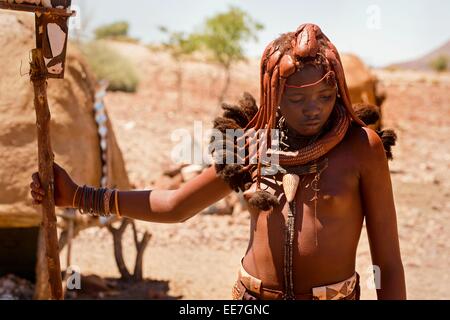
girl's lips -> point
(312, 123)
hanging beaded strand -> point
(288, 248)
(290, 186)
(315, 187)
(291, 182)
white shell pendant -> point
(290, 185)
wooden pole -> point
(41, 287)
(34, 8)
(45, 159)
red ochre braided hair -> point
(283, 57)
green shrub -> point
(113, 30)
(391, 68)
(440, 63)
(108, 64)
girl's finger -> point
(37, 189)
(35, 177)
(36, 196)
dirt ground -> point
(199, 259)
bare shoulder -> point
(367, 145)
(363, 137)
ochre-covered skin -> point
(279, 62)
(339, 220)
(278, 66)
(355, 186)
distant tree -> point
(440, 63)
(224, 36)
(180, 45)
(108, 64)
(115, 31)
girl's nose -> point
(311, 110)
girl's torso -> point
(338, 224)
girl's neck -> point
(293, 140)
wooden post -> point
(45, 159)
(41, 287)
(48, 269)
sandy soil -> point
(199, 259)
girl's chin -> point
(306, 130)
(309, 130)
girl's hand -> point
(64, 188)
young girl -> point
(307, 216)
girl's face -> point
(306, 110)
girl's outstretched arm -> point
(166, 206)
(171, 206)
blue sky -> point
(379, 31)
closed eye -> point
(297, 100)
(326, 98)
